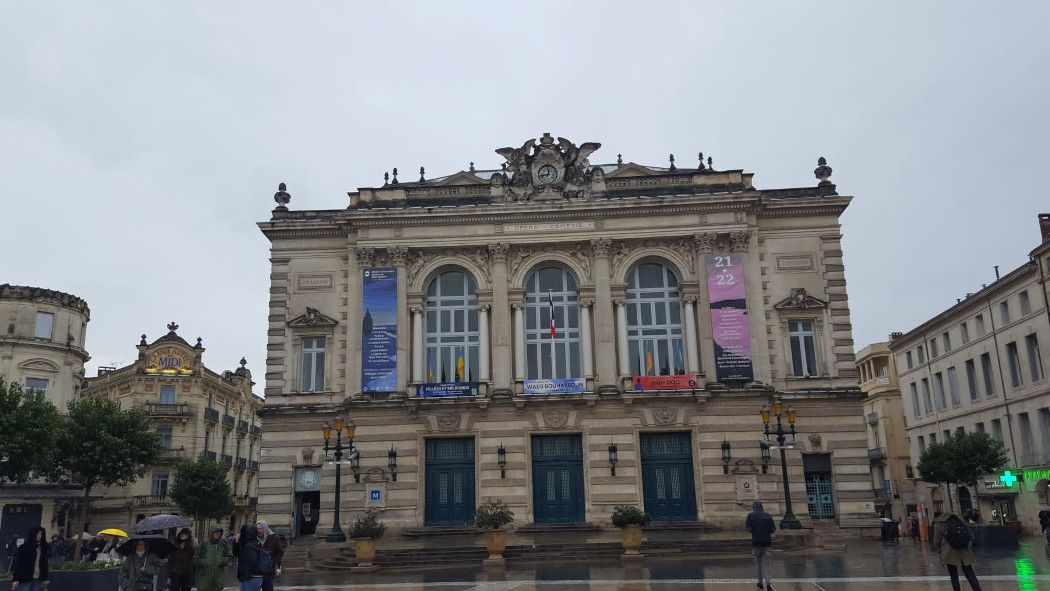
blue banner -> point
(448, 390)
(379, 330)
(556, 386)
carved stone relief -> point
(664, 416)
(555, 419)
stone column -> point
(501, 332)
(519, 341)
(483, 343)
(417, 344)
(585, 338)
(398, 258)
(692, 360)
(621, 338)
(604, 337)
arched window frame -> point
(547, 358)
(451, 329)
(647, 334)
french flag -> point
(550, 300)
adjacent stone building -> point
(980, 366)
(197, 411)
(565, 336)
(42, 348)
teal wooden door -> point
(667, 476)
(449, 482)
(557, 479)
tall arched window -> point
(452, 329)
(654, 321)
(552, 356)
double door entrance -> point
(667, 476)
(449, 482)
(557, 479)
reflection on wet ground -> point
(863, 565)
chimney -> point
(997, 272)
(1044, 226)
(896, 335)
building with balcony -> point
(170, 383)
(891, 470)
(980, 365)
(41, 348)
(564, 335)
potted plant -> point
(69, 575)
(630, 520)
(365, 530)
(491, 516)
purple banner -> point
(729, 326)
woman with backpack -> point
(954, 539)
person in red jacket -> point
(271, 542)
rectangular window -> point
(947, 435)
(927, 400)
(1044, 432)
(159, 487)
(1025, 303)
(979, 320)
(997, 430)
(803, 348)
(1026, 437)
(986, 370)
(933, 439)
(313, 364)
(964, 332)
(1014, 359)
(915, 410)
(1004, 312)
(938, 390)
(908, 359)
(165, 436)
(167, 394)
(960, 430)
(953, 387)
(45, 323)
(1035, 360)
(979, 427)
(947, 339)
(933, 349)
(971, 378)
(921, 354)
(36, 385)
(922, 445)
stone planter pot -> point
(496, 543)
(365, 550)
(632, 539)
(86, 580)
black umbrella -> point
(159, 523)
(158, 545)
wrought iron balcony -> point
(227, 459)
(877, 455)
(228, 421)
(211, 414)
(171, 454)
(146, 500)
(242, 426)
(253, 466)
(881, 496)
(155, 409)
(241, 464)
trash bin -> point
(889, 531)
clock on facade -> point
(547, 174)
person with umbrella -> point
(29, 566)
(143, 569)
(211, 559)
(181, 562)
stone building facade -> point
(683, 300)
(197, 411)
(42, 348)
(980, 366)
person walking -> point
(1044, 524)
(953, 538)
(181, 562)
(142, 570)
(211, 559)
(250, 569)
(29, 563)
(914, 529)
(270, 542)
(761, 526)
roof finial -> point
(422, 178)
(671, 158)
(244, 362)
(710, 164)
(822, 172)
(619, 159)
(172, 327)
(143, 341)
(386, 178)
(282, 197)
(471, 167)
(199, 345)
(394, 182)
(701, 160)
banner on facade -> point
(675, 382)
(729, 325)
(379, 330)
(556, 386)
(448, 390)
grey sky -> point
(140, 143)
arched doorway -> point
(965, 501)
(937, 499)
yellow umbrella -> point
(114, 532)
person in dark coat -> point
(180, 562)
(247, 551)
(761, 526)
(952, 558)
(270, 542)
(29, 565)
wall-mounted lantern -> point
(727, 455)
(391, 463)
(614, 458)
(765, 456)
(501, 460)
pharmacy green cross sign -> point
(1008, 478)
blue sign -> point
(448, 390)
(886, 487)
(375, 494)
(556, 386)
(379, 330)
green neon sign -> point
(1033, 475)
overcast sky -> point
(140, 144)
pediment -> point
(630, 169)
(312, 319)
(800, 300)
(462, 178)
(39, 365)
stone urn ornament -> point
(492, 516)
(365, 530)
(630, 520)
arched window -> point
(654, 321)
(452, 329)
(552, 356)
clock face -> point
(547, 174)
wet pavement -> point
(866, 565)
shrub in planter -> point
(72, 575)
(366, 529)
(492, 515)
(630, 520)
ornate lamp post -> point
(336, 533)
(789, 521)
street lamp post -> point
(789, 521)
(336, 533)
